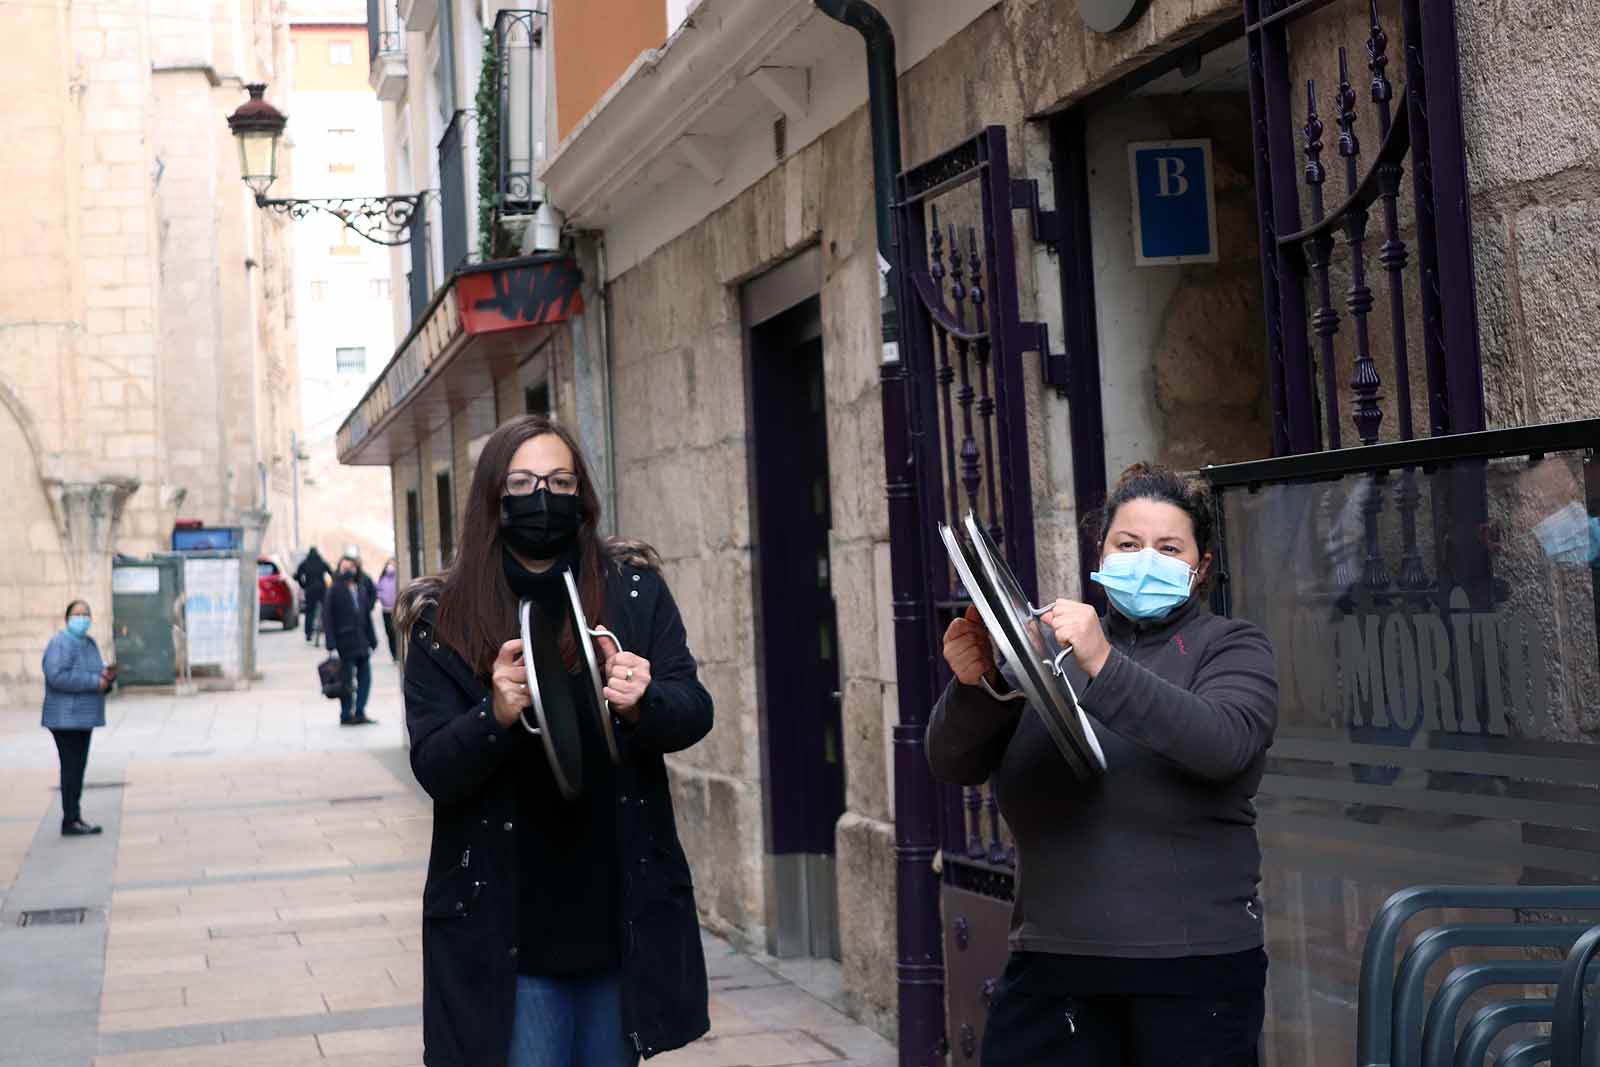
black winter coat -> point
(349, 628)
(312, 575)
(459, 753)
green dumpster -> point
(146, 618)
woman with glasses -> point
(556, 932)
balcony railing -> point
(386, 33)
(456, 199)
(519, 53)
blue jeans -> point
(570, 1022)
(357, 681)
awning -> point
(480, 325)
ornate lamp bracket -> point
(383, 220)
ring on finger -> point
(629, 676)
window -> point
(341, 53)
(348, 244)
(380, 288)
(350, 360)
(536, 399)
(414, 532)
(447, 532)
(341, 151)
(319, 291)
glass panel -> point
(1436, 644)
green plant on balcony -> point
(492, 244)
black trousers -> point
(388, 628)
(72, 746)
(312, 606)
(1038, 1019)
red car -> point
(280, 600)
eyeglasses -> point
(526, 483)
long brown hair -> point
(477, 609)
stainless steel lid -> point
(595, 660)
(555, 718)
(1028, 656)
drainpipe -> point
(920, 955)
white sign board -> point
(135, 581)
(211, 611)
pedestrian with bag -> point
(1136, 932)
(76, 681)
(388, 591)
(348, 624)
(556, 932)
(312, 577)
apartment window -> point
(381, 289)
(341, 151)
(341, 53)
(350, 360)
(536, 399)
(447, 521)
(348, 243)
(319, 291)
(414, 532)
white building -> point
(346, 330)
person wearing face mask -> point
(347, 620)
(556, 932)
(75, 683)
(1136, 934)
(387, 591)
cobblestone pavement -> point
(255, 896)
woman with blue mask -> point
(1136, 933)
(75, 683)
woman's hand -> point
(968, 650)
(1078, 625)
(627, 677)
(510, 683)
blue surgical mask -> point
(1145, 585)
(1570, 535)
(78, 625)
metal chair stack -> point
(1398, 1027)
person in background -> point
(312, 576)
(388, 589)
(348, 624)
(1136, 934)
(75, 683)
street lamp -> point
(383, 220)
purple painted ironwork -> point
(1394, 256)
(946, 372)
(1325, 319)
(1429, 131)
(986, 405)
(1289, 374)
(1368, 415)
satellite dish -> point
(1111, 16)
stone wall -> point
(1533, 154)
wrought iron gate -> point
(1415, 126)
(965, 342)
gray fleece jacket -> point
(1159, 857)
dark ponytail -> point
(1149, 481)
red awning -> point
(482, 323)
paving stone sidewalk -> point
(255, 897)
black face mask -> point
(541, 525)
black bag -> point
(332, 678)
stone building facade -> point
(732, 161)
(145, 362)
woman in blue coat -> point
(75, 684)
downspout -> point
(920, 968)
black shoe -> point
(362, 720)
(348, 722)
(78, 828)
